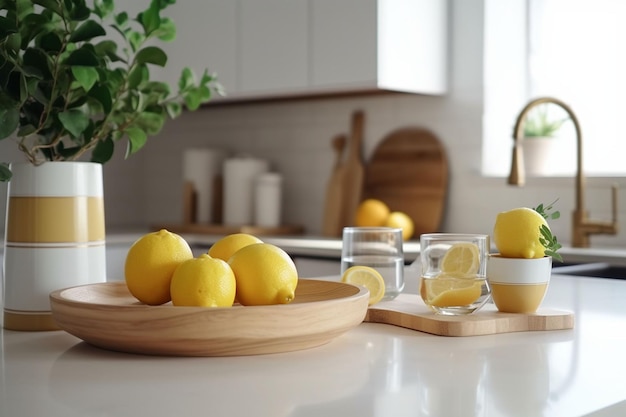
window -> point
(573, 50)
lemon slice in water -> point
(446, 291)
(461, 259)
(367, 277)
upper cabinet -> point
(278, 48)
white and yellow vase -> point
(54, 238)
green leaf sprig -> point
(547, 239)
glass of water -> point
(379, 248)
(454, 272)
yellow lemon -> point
(401, 220)
(516, 233)
(150, 264)
(462, 259)
(265, 275)
(228, 245)
(203, 282)
(447, 291)
(371, 213)
(367, 277)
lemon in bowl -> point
(225, 247)
(203, 282)
(265, 275)
(150, 264)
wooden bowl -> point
(108, 316)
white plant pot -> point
(539, 155)
(54, 238)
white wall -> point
(295, 136)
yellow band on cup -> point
(59, 219)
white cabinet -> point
(379, 44)
(275, 48)
(206, 38)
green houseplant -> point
(538, 124)
(67, 89)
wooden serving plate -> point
(409, 311)
(108, 316)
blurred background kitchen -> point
(487, 60)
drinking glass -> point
(377, 247)
(454, 272)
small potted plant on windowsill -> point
(540, 146)
(68, 94)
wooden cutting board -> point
(409, 311)
(409, 172)
(354, 171)
(334, 192)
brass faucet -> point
(582, 227)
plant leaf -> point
(108, 48)
(51, 42)
(103, 8)
(86, 76)
(5, 172)
(151, 55)
(137, 138)
(7, 27)
(135, 39)
(102, 94)
(174, 109)
(166, 31)
(35, 58)
(186, 79)
(86, 31)
(82, 57)
(193, 99)
(150, 122)
(74, 121)
(49, 5)
(159, 87)
(138, 75)
(25, 130)
(103, 150)
(9, 116)
(150, 19)
(80, 11)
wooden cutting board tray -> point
(409, 311)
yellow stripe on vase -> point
(55, 219)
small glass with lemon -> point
(380, 248)
(454, 272)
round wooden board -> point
(409, 172)
(108, 316)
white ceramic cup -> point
(518, 285)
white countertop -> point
(372, 370)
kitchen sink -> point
(594, 269)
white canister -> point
(268, 200)
(239, 177)
(202, 167)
